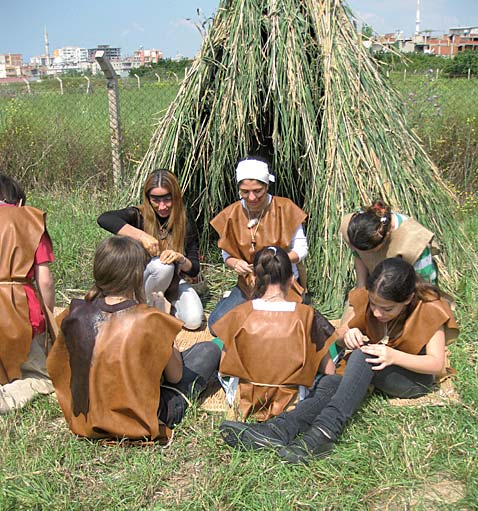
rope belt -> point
(279, 386)
(14, 282)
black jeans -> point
(200, 365)
(336, 399)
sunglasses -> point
(161, 198)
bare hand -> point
(150, 243)
(170, 257)
(242, 267)
(382, 355)
(353, 339)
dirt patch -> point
(433, 496)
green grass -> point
(388, 457)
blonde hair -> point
(176, 223)
(118, 269)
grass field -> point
(388, 458)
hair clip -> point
(383, 219)
(274, 249)
(359, 211)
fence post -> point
(88, 87)
(469, 73)
(61, 84)
(114, 109)
(404, 74)
(28, 85)
(138, 80)
(157, 76)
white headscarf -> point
(254, 169)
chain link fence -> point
(58, 131)
(54, 131)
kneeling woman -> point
(397, 336)
(273, 347)
(170, 237)
(113, 351)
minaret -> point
(417, 21)
(47, 47)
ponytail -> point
(271, 266)
(369, 227)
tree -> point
(367, 31)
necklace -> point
(384, 340)
(254, 222)
(163, 233)
(270, 298)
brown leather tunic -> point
(106, 366)
(408, 242)
(412, 335)
(277, 228)
(21, 229)
(272, 353)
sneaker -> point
(252, 436)
(312, 445)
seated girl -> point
(114, 366)
(397, 339)
(27, 298)
(170, 237)
(273, 347)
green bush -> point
(462, 63)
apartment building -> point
(10, 65)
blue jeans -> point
(200, 365)
(336, 398)
(225, 305)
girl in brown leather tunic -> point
(27, 294)
(273, 347)
(114, 365)
(397, 339)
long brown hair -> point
(118, 269)
(396, 280)
(176, 223)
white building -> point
(70, 55)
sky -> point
(168, 25)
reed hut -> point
(292, 81)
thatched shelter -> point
(291, 80)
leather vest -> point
(106, 366)
(21, 229)
(276, 228)
(272, 353)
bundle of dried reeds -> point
(291, 79)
